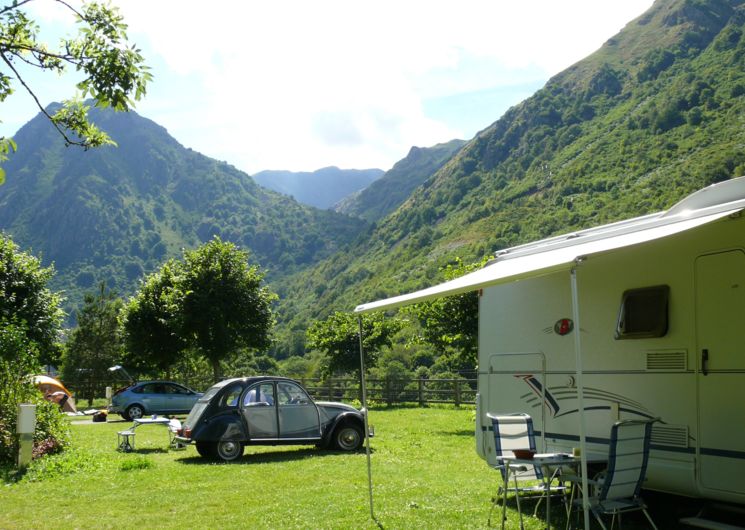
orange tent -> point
(49, 385)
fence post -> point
(388, 396)
(421, 392)
(329, 389)
(457, 392)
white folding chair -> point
(514, 432)
(616, 491)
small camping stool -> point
(174, 426)
(125, 441)
(174, 444)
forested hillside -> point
(657, 112)
(388, 193)
(115, 213)
(321, 188)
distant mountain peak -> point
(321, 188)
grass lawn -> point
(426, 474)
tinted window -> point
(643, 313)
(176, 389)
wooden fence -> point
(388, 391)
(419, 391)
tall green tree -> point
(113, 70)
(212, 303)
(26, 300)
(224, 307)
(451, 324)
(338, 337)
(96, 344)
(150, 322)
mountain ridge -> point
(389, 191)
(115, 213)
(321, 188)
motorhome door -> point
(720, 330)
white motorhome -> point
(659, 306)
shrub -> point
(18, 361)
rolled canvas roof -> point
(560, 253)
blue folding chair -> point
(617, 490)
(513, 432)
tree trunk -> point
(216, 372)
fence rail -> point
(389, 391)
(420, 391)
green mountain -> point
(321, 188)
(390, 191)
(115, 213)
(654, 114)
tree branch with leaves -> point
(114, 71)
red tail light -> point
(186, 432)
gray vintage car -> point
(267, 410)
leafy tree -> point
(223, 306)
(96, 344)
(114, 71)
(338, 338)
(150, 322)
(451, 324)
(212, 303)
(26, 300)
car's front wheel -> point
(134, 412)
(229, 451)
(348, 437)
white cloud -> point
(300, 85)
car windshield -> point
(211, 391)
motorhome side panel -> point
(632, 377)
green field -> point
(426, 474)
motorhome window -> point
(643, 313)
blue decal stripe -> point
(536, 384)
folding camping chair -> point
(514, 432)
(616, 490)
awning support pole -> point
(363, 388)
(580, 394)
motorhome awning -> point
(560, 253)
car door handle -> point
(705, 361)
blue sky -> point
(302, 85)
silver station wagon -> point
(267, 410)
(153, 397)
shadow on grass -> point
(459, 432)
(666, 511)
(270, 457)
(148, 450)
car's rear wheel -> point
(229, 451)
(206, 449)
(348, 437)
(134, 412)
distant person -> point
(62, 399)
